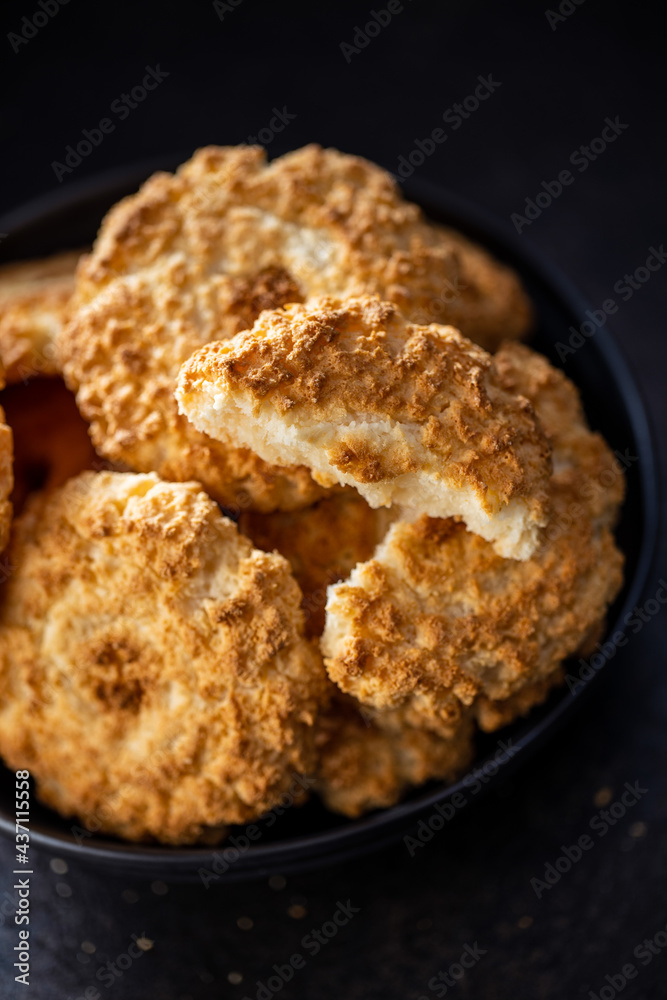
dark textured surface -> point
(472, 884)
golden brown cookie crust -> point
(154, 677)
(363, 765)
(366, 759)
(195, 256)
(311, 223)
(438, 618)
(35, 297)
(406, 414)
(122, 365)
(487, 304)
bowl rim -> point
(380, 827)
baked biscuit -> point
(154, 677)
(366, 760)
(363, 766)
(35, 297)
(51, 441)
(406, 414)
(437, 623)
(197, 255)
(314, 222)
(322, 543)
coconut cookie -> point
(408, 415)
(154, 677)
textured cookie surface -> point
(365, 759)
(364, 765)
(154, 677)
(197, 255)
(314, 222)
(486, 303)
(406, 414)
(35, 297)
(437, 622)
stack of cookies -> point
(291, 499)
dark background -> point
(472, 882)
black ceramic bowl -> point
(310, 836)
